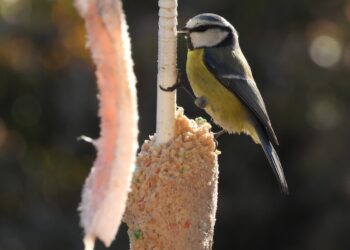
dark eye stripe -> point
(201, 28)
(210, 26)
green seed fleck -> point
(200, 120)
(182, 170)
(138, 234)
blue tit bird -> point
(224, 86)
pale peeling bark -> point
(166, 101)
(173, 200)
(106, 188)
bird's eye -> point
(201, 28)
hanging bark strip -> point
(106, 188)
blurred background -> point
(300, 55)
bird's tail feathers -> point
(274, 161)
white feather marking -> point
(208, 38)
(194, 23)
(231, 76)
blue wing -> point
(232, 70)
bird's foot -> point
(175, 86)
(216, 136)
(201, 102)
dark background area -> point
(299, 52)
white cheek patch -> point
(208, 38)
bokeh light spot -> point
(325, 51)
(324, 114)
(15, 11)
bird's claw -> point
(201, 102)
(176, 85)
(217, 134)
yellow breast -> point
(223, 106)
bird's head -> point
(209, 30)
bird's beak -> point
(183, 31)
